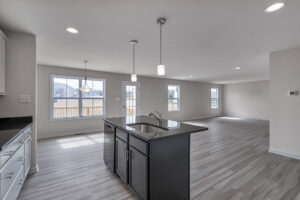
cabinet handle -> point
(126, 153)
(21, 182)
(9, 153)
(21, 159)
(9, 176)
(108, 126)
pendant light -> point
(161, 69)
(133, 75)
(85, 88)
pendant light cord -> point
(85, 78)
(133, 57)
(160, 44)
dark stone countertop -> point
(174, 128)
(10, 128)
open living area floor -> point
(230, 161)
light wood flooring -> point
(228, 162)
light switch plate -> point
(24, 98)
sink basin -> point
(147, 128)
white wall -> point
(285, 110)
(20, 62)
(195, 100)
(247, 100)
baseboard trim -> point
(34, 169)
(62, 134)
(199, 118)
(250, 118)
(275, 151)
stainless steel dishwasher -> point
(109, 145)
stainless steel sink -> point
(147, 128)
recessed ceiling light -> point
(191, 76)
(72, 30)
(274, 7)
(237, 68)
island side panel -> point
(169, 168)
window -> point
(214, 98)
(173, 98)
(67, 101)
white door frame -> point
(124, 84)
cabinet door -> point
(27, 156)
(122, 159)
(2, 64)
(138, 173)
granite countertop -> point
(10, 128)
(173, 128)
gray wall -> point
(247, 100)
(195, 100)
(20, 63)
(285, 110)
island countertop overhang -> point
(174, 128)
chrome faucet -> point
(158, 118)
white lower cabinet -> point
(14, 170)
(27, 160)
(2, 63)
(16, 187)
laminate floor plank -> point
(230, 161)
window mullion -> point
(80, 98)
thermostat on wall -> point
(293, 93)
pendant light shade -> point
(133, 75)
(85, 88)
(133, 78)
(161, 69)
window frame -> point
(80, 98)
(178, 99)
(217, 98)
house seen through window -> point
(67, 101)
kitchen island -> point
(151, 156)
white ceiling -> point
(203, 38)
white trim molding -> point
(69, 133)
(34, 169)
(275, 151)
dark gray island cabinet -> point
(152, 158)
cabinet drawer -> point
(122, 135)
(27, 132)
(11, 169)
(13, 192)
(7, 153)
(138, 144)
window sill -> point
(76, 118)
(173, 110)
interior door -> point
(130, 99)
